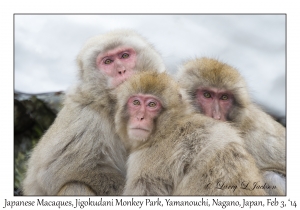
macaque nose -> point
(140, 118)
(141, 114)
(121, 69)
(121, 72)
(216, 115)
(216, 111)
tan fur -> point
(263, 136)
(76, 188)
(186, 151)
(81, 153)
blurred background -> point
(46, 46)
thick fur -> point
(263, 136)
(188, 153)
(81, 153)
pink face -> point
(214, 103)
(142, 109)
(117, 64)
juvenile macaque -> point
(219, 91)
(81, 153)
(175, 151)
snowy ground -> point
(46, 47)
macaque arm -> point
(147, 186)
(141, 177)
(76, 188)
(229, 171)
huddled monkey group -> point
(129, 128)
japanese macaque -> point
(81, 153)
(219, 91)
(174, 150)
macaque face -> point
(142, 109)
(117, 64)
(214, 102)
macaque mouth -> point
(141, 129)
(139, 134)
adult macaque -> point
(175, 151)
(81, 154)
(219, 91)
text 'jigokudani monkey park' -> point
(128, 127)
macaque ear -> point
(80, 66)
(180, 96)
(183, 95)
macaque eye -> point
(152, 104)
(108, 61)
(207, 95)
(125, 55)
(224, 97)
(136, 102)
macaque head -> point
(107, 60)
(216, 89)
(142, 110)
(117, 64)
(215, 103)
(147, 101)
